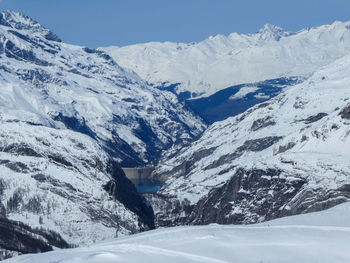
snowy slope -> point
(285, 156)
(61, 181)
(316, 237)
(222, 61)
(50, 83)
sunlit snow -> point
(320, 237)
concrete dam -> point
(142, 178)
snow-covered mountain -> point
(286, 156)
(69, 115)
(315, 237)
(47, 82)
(219, 62)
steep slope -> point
(64, 182)
(204, 68)
(69, 116)
(286, 156)
(316, 237)
(47, 82)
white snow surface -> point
(318, 151)
(243, 92)
(308, 238)
(221, 61)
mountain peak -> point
(17, 20)
(20, 21)
(268, 32)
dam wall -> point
(141, 177)
(138, 173)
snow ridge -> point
(220, 61)
(20, 21)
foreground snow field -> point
(315, 237)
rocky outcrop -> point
(248, 197)
(255, 145)
(168, 211)
(314, 118)
(345, 113)
(262, 123)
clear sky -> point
(96, 23)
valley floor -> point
(315, 237)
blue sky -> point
(121, 22)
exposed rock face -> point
(345, 113)
(168, 211)
(262, 123)
(248, 197)
(316, 117)
(288, 156)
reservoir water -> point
(147, 189)
(141, 177)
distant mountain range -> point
(203, 68)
